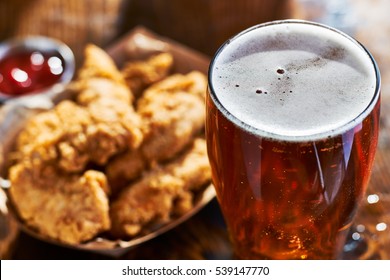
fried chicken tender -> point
(172, 117)
(99, 78)
(115, 130)
(124, 168)
(102, 124)
(102, 90)
(161, 193)
(194, 82)
(57, 137)
(72, 136)
(141, 74)
(98, 64)
(173, 113)
(67, 208)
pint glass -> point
(292, 128)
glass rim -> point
(323, 135)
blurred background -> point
(201, 24)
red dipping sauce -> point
(27, 71)
(33, 66)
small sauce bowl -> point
(34, 65)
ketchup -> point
(25, 71)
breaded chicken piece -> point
(95, 89)
(99, 78)
(102, 124)
(194, 82)
(115, 130)
(69, 208)
(98, 64)
(117, 127)
(161, 193)
(173, 113)
(141, 74)
(41, 127)
(125, 167)
(102, 90)
(57, 136)
(171, 120)
(72, 136)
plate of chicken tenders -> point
(118, 157)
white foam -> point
(325, 81)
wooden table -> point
(204, 236)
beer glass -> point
(292, 128)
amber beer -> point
(292, 128)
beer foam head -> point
(294, 80)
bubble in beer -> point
(355, 236)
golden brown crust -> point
(161, 193)
(141, 74)
(71, 136)
(124, 168)
(173, 114)
(71, 209)
(101, 89)
(98, 64)
(194, 82)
